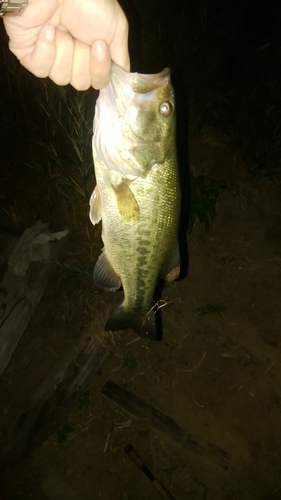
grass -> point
(64, 143)
(47, 169)
(237, 88)
(232, 76)
(204, 197)
(229, 56)
(54, 122)
(247, 109)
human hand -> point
(71, 41)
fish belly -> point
(139, 251)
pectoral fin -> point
(127, 204)
(104, 275)
(171, 270)
(95, 206)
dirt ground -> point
(216, 372)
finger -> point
(100, 64)
(61, 70)
(40, 60)
(119, 46)
(80, 78)
(121, 57)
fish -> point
(137, 194)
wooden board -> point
(49, 406)
(164, 425)
(26, 265)
(24, 275)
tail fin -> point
(143, 325)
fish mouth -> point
(113, 139)
(124, 83)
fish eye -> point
(165, 108)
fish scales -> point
(140, 242)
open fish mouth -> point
(125, 84)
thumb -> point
(41, 59)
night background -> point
(217, 370)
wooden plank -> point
(49, 406)
(164, 425)
(24, 276)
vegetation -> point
(229, 67)
(55, 121)
(229, 56)
(205, 193)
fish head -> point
(134, 123)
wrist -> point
(12, 6)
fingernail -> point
(99, 50)
(50, 33)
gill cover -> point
(129, 126)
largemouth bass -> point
(137, 193)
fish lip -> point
(137, 82)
